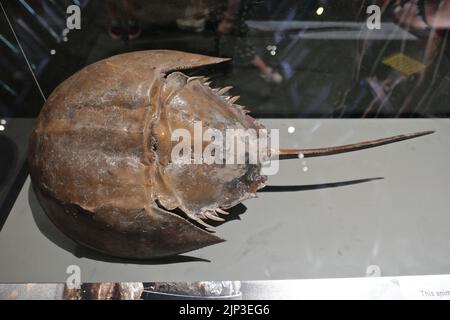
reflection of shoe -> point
(191, 24)
(272, 76)
(134, 30)
(115, 30)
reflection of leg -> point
(134, 30)
(230, 17)
(234, 22)
(438, 13)
(233, 7)
(129, 8)
(112, 9)
(260, 64)
(267, 72)
(115, 29)
(408, 15)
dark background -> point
(321, 77)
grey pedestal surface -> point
(14, 143)
(398, 225)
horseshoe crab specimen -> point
(100, 156)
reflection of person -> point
(438, 14)
(432, 18)
(392, 91)
(115, 28)
(423, 14)
(430, 21)
(233, 22)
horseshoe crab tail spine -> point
(327, 151)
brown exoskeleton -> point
(100, 156)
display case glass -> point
(319, 72)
